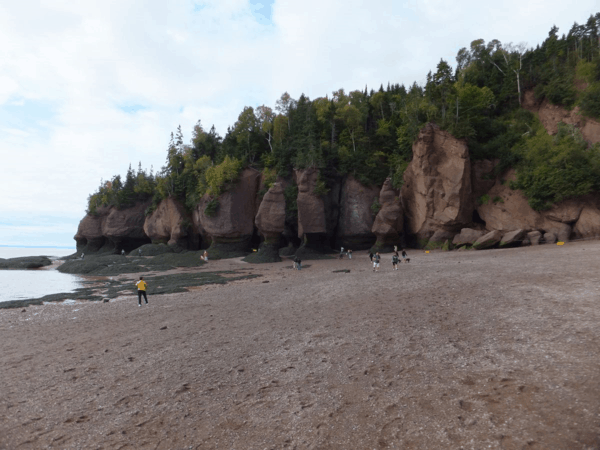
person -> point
(349, 254)
(395, 260)
(122, 252)
(141, 287)
(371, 256)
(405, 256)
(298, 263)
(82, 255)
(376, 260)
(342, 253)
(205, 256)
(395, 249)
(139, 252)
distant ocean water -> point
(25, 284)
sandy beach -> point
(463, 350)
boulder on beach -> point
(467, 236)
(488, 240)
(534, 237)
(512, 238)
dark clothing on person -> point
(140, 293)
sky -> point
(87, 88)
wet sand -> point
(492, 349)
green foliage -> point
(138, 187)
(375, 207)
(590, 101)
(218, 176)
(370, 134)
(212, 208)
(498, 199)
(290, 193)
(557, 167)
(484, 199)
(321, 187)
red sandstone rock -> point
(270, 219)
(168, 223)
(356, 216)
(437, 184)
(389, 223)
(234, 219)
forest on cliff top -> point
(369, 133)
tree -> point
(266, 117)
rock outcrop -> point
(270, 219)
(487, 240)
(270, 222)
(25, 262)
(170, 224)
(231, 226)
(437, 185)
(551, 115)
(512, 238)
(318, 212)
(388, 226)
(507, 210)
(356, 215)
(467, 236)
(588, 224)
(112, 230)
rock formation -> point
(487, 240)
(467, 236)
(270, 219)
(317, 212)
(356, 215)
(437, 185)
(551, 115)
(270, 222)
(231, 226)
(512, 238)
(389, 223)
(170, 224)
(112, 229)
(507, 210)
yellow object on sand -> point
(426, 251)
(560, 243)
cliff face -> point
(444, 198)
(437, 184)
(170, 224)
(356, 215)
(112, 230)
(551, 115)
(232, 223)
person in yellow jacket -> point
(141, 287)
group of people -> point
(347, 252)
(376, 259)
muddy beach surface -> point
(492, 349)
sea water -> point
(26, 284)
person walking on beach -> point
(349, 254)
(298, 263)
(141, 287)
(342, 253)
(205, 256)
(371, 256)
(405, 256)
(122, 252)
(376, 260)
(395, 260)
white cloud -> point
(182, 61)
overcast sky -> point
(88, 87)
